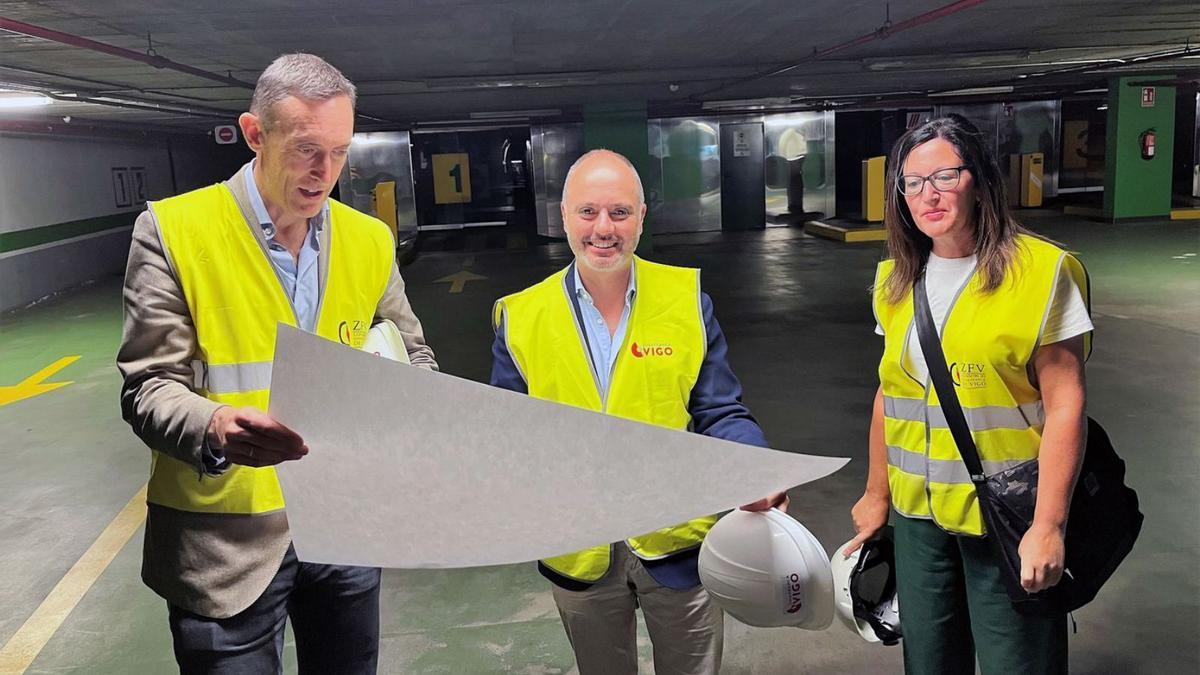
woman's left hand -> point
(1042, 551)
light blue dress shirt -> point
(300, 278)
(603, 347)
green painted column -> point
(621, 127)
(1135, 187)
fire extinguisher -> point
(1146, 141)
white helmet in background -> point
(864, 589)
(766, 569)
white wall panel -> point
(49, 180)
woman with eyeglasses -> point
(1013, 319)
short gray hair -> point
(597, 151)
(304, 76)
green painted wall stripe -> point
(15, 241)
(621, 127)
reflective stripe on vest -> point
(989, 340)
(651, 384)
(236, 302)
(232, 378)
(979, 419)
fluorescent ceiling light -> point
(519, 114)
(747, 104)
(975, 91)
(1100, 90)
(1006, 57)
(22, 99)
(528, 81)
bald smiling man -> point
(649, 349)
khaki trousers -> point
(686, 629)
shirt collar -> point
(316, 223)
(581, 292)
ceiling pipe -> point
(14, 26)
(105, 87)
(22, 28)
(103, 98)
(886, 30)
(143, 105)
(95, 130)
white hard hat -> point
(384, 340)
(864, 589)
(766, 569)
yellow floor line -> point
(20, 651)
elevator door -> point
(743, 191)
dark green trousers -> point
(953, 606)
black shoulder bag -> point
(1103, 522)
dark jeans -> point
(953, 607)
(335, 616)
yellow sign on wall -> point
(451, 178)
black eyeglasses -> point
(941, 180)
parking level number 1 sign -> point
(451, 178)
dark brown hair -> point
(995, 228)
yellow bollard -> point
(1031, 179)
(872, 188)
(383, 199)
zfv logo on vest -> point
(968, 375)
(651, 350)
(352, 333)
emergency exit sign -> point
(1147, 97)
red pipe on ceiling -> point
(887, 30)
(14, 26)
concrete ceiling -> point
(427, 60)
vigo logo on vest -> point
(651, 350)
(795, 592)
(968, 375)
(352, 333)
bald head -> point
(610, 164)
(602, 209)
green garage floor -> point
(796, 312)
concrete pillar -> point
(621, 127)
(1135, 187)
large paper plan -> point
(410, 469)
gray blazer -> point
(215, 565)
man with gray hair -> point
(210, 274)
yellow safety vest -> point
(989, 341)
(651, 382)
(236, 301)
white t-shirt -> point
(945, 276)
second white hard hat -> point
(766, 569)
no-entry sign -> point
(225, 134)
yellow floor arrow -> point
(33, 386)
(459, 279)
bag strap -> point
(935, 361)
